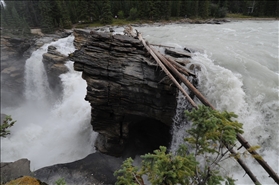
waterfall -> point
(48, 132)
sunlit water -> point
(48, 133)
(239, 73)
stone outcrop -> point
(128, 93)
(26, 180)
(13, 170)
(96, 168)
(54, 65)
(14, 52)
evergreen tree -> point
(166, 9)
(175, 8)
(183, 8)
(195, 8)
(106, 17)
(204, 9)
(47, 23)
(143, 10)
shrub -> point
(7, 123)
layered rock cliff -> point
(14, 52)
(54, 65)
(132, 100)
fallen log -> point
(159, 45)
(258, 158)
(166, 70)
(244, 167)
(180, 68)
(182, 78)
(155, 54)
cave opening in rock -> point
(145, 136)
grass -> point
(238, 16)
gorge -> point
(233, 70)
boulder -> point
(127, 91)
(13, 170)
(178, 53)
(26, 180)
(96, 168)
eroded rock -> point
(13, 170)
(54, 65)
(125, 87)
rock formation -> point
(14, 52)
(54, 65)
(129, 94)
(96, 168)
(13, 170)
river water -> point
(48, 132)
(239, 73)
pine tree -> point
(204, 9)
(183, 8)
(143, 9)
(46, 19)
(195, 7)
(106, 17)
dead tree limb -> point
(182, 78)
(159, 45)
(260, 160)
(199, 95)
(179, 67)
(244, 167)
(166, 70)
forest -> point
(49, 15)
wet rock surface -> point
(13, 170)
(124, 87)
(96, 168)
(54, 65)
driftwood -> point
(159, 45)
(183, 79)
(180, 68)
(166, 70)
(258, 158)
(156, 55)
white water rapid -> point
(239, 72)
(48, 133)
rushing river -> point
(48, 132)
(239, 73)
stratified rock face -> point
(14, 52)
(126, 89)
(54, 65)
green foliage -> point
(120, 14)
(7, 123)
(133, 14)
(128, 174)
(211, 131)
(163, 168)
(106, 17)
(60, 181)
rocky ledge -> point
(54, 65)
(132, 100)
